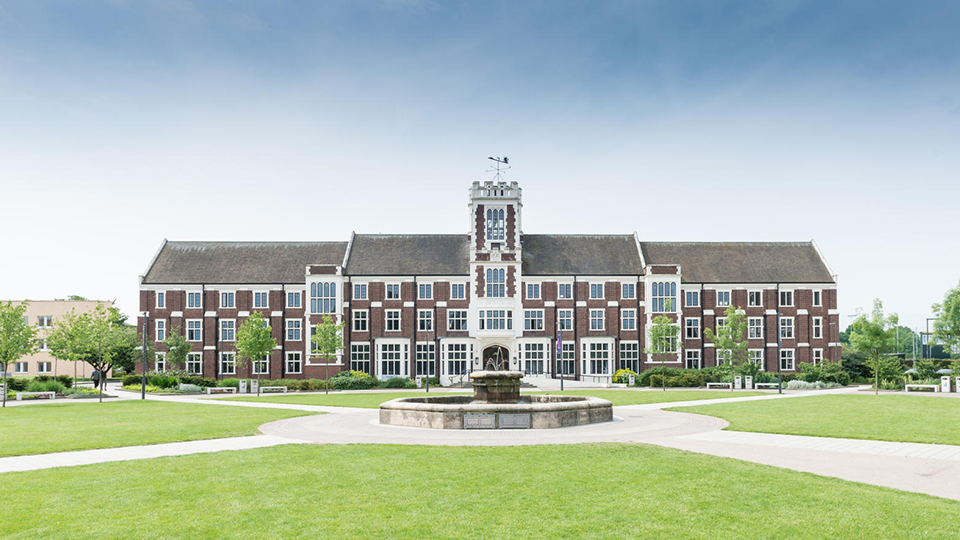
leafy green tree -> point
(946, 329)
(875, 337)
(107, 338)
(254, 341)
(17, 338)
(731, 339)
(327, 341)
(177, 350)
(67, 339)
(76, 298)
(663, 341)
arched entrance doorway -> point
(495, 358)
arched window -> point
(323, 297)
(495, 224)
(496, 283)
(663, 296)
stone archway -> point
(495, 358)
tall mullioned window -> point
(663, 296)
(496, 282)
(323, 297)
(495, 224)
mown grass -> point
(364, 491)
(372, 400)
(913, 418)
(60, 427)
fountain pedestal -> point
(496, 386)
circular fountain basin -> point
(527, 412)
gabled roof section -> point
(240, 262)
(408, 255)
(596, 255)
(741, 262)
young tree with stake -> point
(731, 339)
(254, 342)
(327, 342)
(177, 350)
(874, 336)
(663, 343)
(17, 338)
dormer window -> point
(495, 224)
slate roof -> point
(741, 262)
(597, 255)
(240, 262)
(409, 254)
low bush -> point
(45, 386)
(82, 391)
(354, 380)
(162, 381)
(185, 387)
(198, 381)
(399, 382)
(233, 381)
(623, 376)
(804, 385)
(131, 380)
(17, 384)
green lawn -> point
(913, 418)
(372, 400)
(59, 427)
(363, 491)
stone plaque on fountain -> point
(514, 421)
(479, 421)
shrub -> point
(857, 365)
(184, 387)
(162, 381)
(198, 381)
(804, 385)
(623, 376)
(354, 380)
(399, 382)
(45, 386)
(131, 380)
(17, 384)
(43, 378)
(233, 381)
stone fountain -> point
(496, 404)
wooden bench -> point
(936, 387)
(221, 390)
(718, 385)
(270, 389)
(53, 395)
(766, 385)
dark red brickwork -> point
(479, 232)
(481, 281)
(511, 227)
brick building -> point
(447, 304)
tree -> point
(731, 338)
(106, 339)
(254, 341)
(177, 350)
(76, 298)
(875, 337)
(17, 338)
(67, 339)
(327, 341)
(663, 343)
(946, 329)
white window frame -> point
(754, 331)
(456, 355)
(533, 291)
(323, 297)
(458, 315)
(496, 223)
(816, 328)
(689, 355)
(535, 357)
(297, 296)
(293, 356)
(691, 328)
(533, 320)
(565, 319)
(597, 323)
(160, 362)
(43, 345)
(496, 319)
(665, 302)
(629, 356)
(597, 291)
(392, 286)
(564, 288)
(225, 363)
(785, 295)
(720, 322)
(161, 300)
(402, 360)
(198, 330)
(21, 367)
(359, 291)
(596, 353)
(628, 319)
(160, 330)
(387, 319)
(817, 298)
(425, 320)
(723, 298)
(425, 355)
(194, 300)
(297, 329)
(567, 363)
(817, 356)
(628, 291)
(755, 295)
(261, 299)
(228, 325)
(756, 356)
(688, 295)
(228, 295)
(44, 366)
(786, 323)
(261, 367)
(361, 320)
(496, 282)
(194, 359)
(425, 291)
(360, 355)
(45, 321)
(788, 360)
(458, 291)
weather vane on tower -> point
(502, 166)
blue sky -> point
(127, 122)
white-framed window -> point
(360, 319)
(723, 356)
(161, 332)
(45, 321)
(194, 330)
(228, 363)
(723, 298)
(755, 328)
(456, 319)
(630, 356)
(787, 360)
(161, 299)
(425, 320)
(786, 327)
(669, 344)
(360, 357)
(456, 358)
(817, 299)
(424, 359)
(44, 367)
(756, 356)
(628, 291)
(20, 367)
(817, 356)
(360, 291)
(393, 291)
(566, 364)
(391, 360)
(596, 291)
(392, 320)
(663, 296)
(294, 329)
(425, 291)
(294, 299)
(194, 300)
(754, 298)
(533, 355)
(43, 345)
(496, 319)
(228, 300)
(691, 328)
(323, 297)
(817, 328)
(596, 319)
(533, 291)
(597, 358)
(160, 362)
(261, 300)
(533, 319)
(786, 298)
(458, 291)
(495, 224)
(628, 319)
(496, 282)
(565, 291)
(565, 319)
(692, 298)
(692, 359)
(294, 362)
(721, 323)
(228, 330)
(194, 364)
(262, 366)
